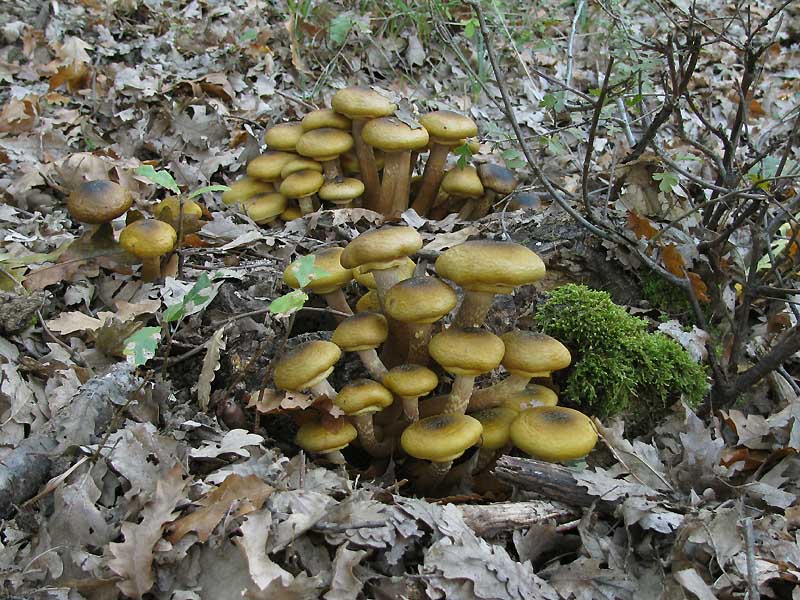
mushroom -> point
(303, 186)
(327, 439)
(325, 117)
(525, 201)
(485, 268)
(463, 185)
(342, 191)
(328, 286)
(465, 353)
(363, 333)
(440, 440)
(407, 269)
(496, 423)
(419, 302)
(362, 104)
(368, 302)
(533, 395)
(397, 139)
(409, 382)
(446, 130)
(283, 136)
(359, 400)
(325, 145)
(265, 208)
(268, 166)
(97, 203)
(497, 181)
(149, 240)
(554, 433)
(528, 354)
(170, 208)
(291, 213)
(300, 164)
(306, 367)
(245, 188)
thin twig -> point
(750, 553)
(571, 42)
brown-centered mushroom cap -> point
(148, 238)
(325, 117)
(98, 201)
(324, 144)
(266, 207)
(300, 164)
(267, 167)
(390, 134)
(245, 188)
(467, 352)
(533, 395)
(411, 380)
(447, 127)
(343, 191)
(554, 433)
(363, 396)
(490, 266)
(301, 184)
(361, 103)
(497, 178)
(317, 438)
(463, 183)
(283, 136)
(442, 438)
(419, 300)
(532, 354)
(361, 332)
(327, 260)
(306, 365)
(496, 424)
(381, 248)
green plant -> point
(664, 296)
(617, 364)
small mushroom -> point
(283, 136)
(265, 208)
(496, 423)
(497, 181)
(409, 382)
(360, 400)
(341, 192)
(149, 240)
(300, 164)
(463, 185)
(368, 302)
(169, 211)
(245, 188)
(303, 186)
(306, 367)
(326, 117)
(328, 286)
(316, 437)
(363, 333)
(97, 203)
(554, 433)
(268, 166)
(325, 145)
(533, 395)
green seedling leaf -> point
(208, 188)
(142, 345)
(249, 35)
(667, 179)
(305, 271)
(470, 26)
(195, 300)
(513, 158)
(464, 155)
(339, 28)
(288, 303)
(162, 178)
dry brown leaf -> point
(642, 227)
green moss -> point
(664, 296)
(617, 365)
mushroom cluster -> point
(365, 152)
(412, 335)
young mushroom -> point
(170, 208)
(300, 164)
(368, 302)
(97, 203)
(330, 285)
(268, 166)
(327, 439)
(498, 181)
(325, 145)
(533, 395)
(496, 423)
(245, 188)
(325, 117)
(341, 192)
(283, 136)
(463, 185)
(409, 382)
(360, 400)
(264, 209)
(149, 240)
(306, 367)
(303, 186)
(363, 333)
(554, 433)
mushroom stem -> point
(395, 349)
(370, 360)
(484, 204)
(395, 184)
(495, 394)
(473, 309)
(411, 407)
(331, 169)
(337, 301)
(335, 458)
(366, 435)
(468, 208)
(323, 388)
(366, 164)
(151, 268)
(306, 204)
(386, 278)
(419, 337)
(432, 475)
(458, 400)
(485, 459)
(431, 178)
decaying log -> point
(549, 480)
(80, 422)
(487, 520)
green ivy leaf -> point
(208, 188)
(305, 270)
(195, 300)
(141, 346)
(668, 180)
(288, 303)
(162, 178)
(464, 155)
(339, 28)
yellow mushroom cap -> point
(533, 354)
(368, 302)
(316, 438)
(324, 144)
(390, 134)
(327, 260)
(467, 352)
(173, 205)
(357, 102)
(306, 365)
(98, 201)
(463, 183)
(245, 188)
(419, 300)
(442, 438)
(533, 395)
(148, 238)
(554, 433)
(363, 396)
(325, 117)
(267, 167)
(363, 331)
(300, 164)
(408, 267)
(447, 127)
(265, 207)
(283, 136)
(291, 213)
(301, 184)
(381, 248)
(490, 266)
(411, 381)
(341, 191)
(496, 424)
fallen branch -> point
(487, 520)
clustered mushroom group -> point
(364, 152)
(409, 341)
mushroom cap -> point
(408, 267)
(267, 167)
(265, 208)
(468, 352)
(173, 205)
(447, 127)
(317, 438)
(327, 260)
(381, 248)
(490, 266)
(283, 136)
(98, 201)
(368, 302)
(148, 238)
(533, 395)
(356, 102)
(525, 200)
(291, 213)
(554, 433)
(363, 331)
(306, 365)
(300, 164)
(497, 178)
(390, 134)
(324, 144)
(363, 396)
(301, 184)
(533, 354)
(442, 438)
(341, 191)
(463, 183)
(419, 300)
(496, 424)
(411, 381)
(325, 117)
(245, 188)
